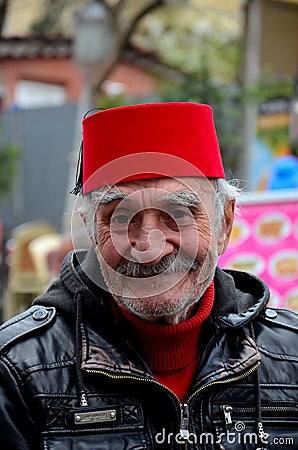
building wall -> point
(279, 44)
(56, 71)
(45, 139)
(132, 80)
(136, 82)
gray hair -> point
(225, 190)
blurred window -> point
(33, 94)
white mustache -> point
(167, 265)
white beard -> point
(164, 296)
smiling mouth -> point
(167, 266)
(144, 272)
(145, 275)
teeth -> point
(168, 265)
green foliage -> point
(269, 88)
(9, 155)
(182, 35)
(207, 60)
(48, 21)
(43, 25)
(112, 101)
(204, 49)
(226, 101)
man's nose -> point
(149, 243)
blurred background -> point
(58, 59)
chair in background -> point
(41, 249)
(24, 281)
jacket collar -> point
(240, 297)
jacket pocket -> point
(107, 428)
(103, 441)
(236, 427)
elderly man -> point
(143, 342)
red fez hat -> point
(149, 141)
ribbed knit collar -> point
(167, 347)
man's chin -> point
(155, 308)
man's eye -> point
(178, 214)
(178, 217)
(120, 219)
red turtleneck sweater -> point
(171, 351)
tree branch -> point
(124, 39)
(126, 35)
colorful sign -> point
(271, 141)
(264, 241)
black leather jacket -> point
(69, 380)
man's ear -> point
(227, 225)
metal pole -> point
(250, 76)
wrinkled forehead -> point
(183, 189)
(169, 184)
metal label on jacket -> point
(107, 415)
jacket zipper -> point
(228, 410)
(184, 407)
(184, 421)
